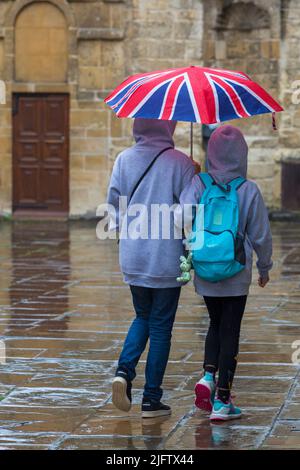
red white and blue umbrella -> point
(193, 94)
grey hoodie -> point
(151, 262)
(227, 159)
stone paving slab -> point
(64, 313)
(40, 420)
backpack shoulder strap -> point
(206, 179)
(145, 172)
(236, 183)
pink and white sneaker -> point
(205, 391)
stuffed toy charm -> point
(185, 266)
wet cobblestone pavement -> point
(64, 313)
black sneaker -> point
(152, 409)
(121, 391)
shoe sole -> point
(203, 394)
(155, 414)
(224, 417)
(119, 394)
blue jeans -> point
(155, 313)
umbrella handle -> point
(191, 139)
(274, 122)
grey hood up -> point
(153, 134)
(227, 154)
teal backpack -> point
(217, 248)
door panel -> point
(30, 109)
(40, 152)
(28, 185)
(52, 184)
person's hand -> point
(263, 280)
(197, 167)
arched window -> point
(41, 49)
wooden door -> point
(41, 152)
(290, 185)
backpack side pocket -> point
(239, 250)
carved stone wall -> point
(103, 41)
(245, 35)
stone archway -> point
(9, 33)
(242, 17)
(20, 4)
(41, 44)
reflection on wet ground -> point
(64, 313)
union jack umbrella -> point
(194, 94)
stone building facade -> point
(59, 59)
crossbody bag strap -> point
(146, 171)
(144, 174)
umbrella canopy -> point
(193, 94)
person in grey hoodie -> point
(226, 300)
(149, 262)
